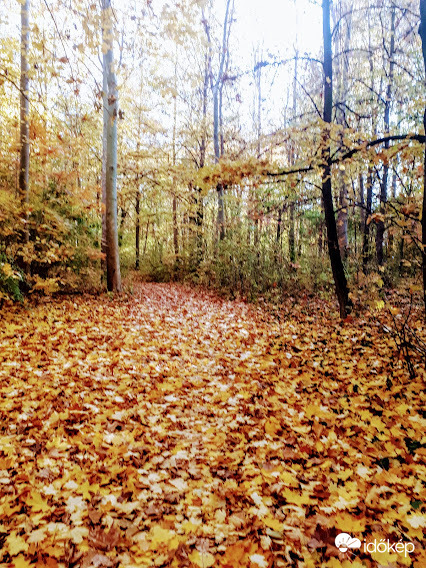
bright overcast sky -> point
(277, 26)
(275, 23)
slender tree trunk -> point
(368, 209)
(138, 228)
(104, 170)
(174, 202)
(257, 115)
(422, 32)
(361, 202)
(291, 235)
(370, 179)
(216, 121)
(384, 185)
(279, 223)
(175, 228)
(292, 232)
(339, 276)
(112, 249)
(24, 162)
(342, 215)
(203, 149)
(146, 237)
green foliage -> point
(10, 279)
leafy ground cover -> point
(173, 428)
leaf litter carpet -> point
(173, 428)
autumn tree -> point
(217, 83)
(386, 122)
(24, 163)
(422, 32)
(339, 276)
(110, 157)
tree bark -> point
(422, 32)
(104, 169)
(384, 185)
(138, 228)
(339, 276)
(291, 235)
(292, 232)
(112, 249)
(368, 209)
(342, 215)
(174, 200)
(216, 88)
(24, 162)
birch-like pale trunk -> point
(112, 249)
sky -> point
(278, 24)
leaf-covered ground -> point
(176, 429)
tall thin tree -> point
(422, 32)
(388, 103)
(111, 117)
(217, 86)
(337, 268)
(24, 162)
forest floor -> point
(173, 428)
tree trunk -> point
(384, 185)
(138, 228)
(292, 232)
(291, 235)
(112, 249)
(339, 276)
(174, 200)
(104, 170)
(175, 229)
(203, 149)
(368, 208)
(342, 215)
(24, 162)
(216, 121)
(361, 202)
(422, 32)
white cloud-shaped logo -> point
(344, 541)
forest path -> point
(177, 429)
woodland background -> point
(207, 181)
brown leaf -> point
(103, 540)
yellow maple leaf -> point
(21, 562)
(288, 479)
(272, 426)
(202, 559)
(36, 502)
(312, 410)
(16, 544)
(163, 536)
(296, 498)
(273, 524)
